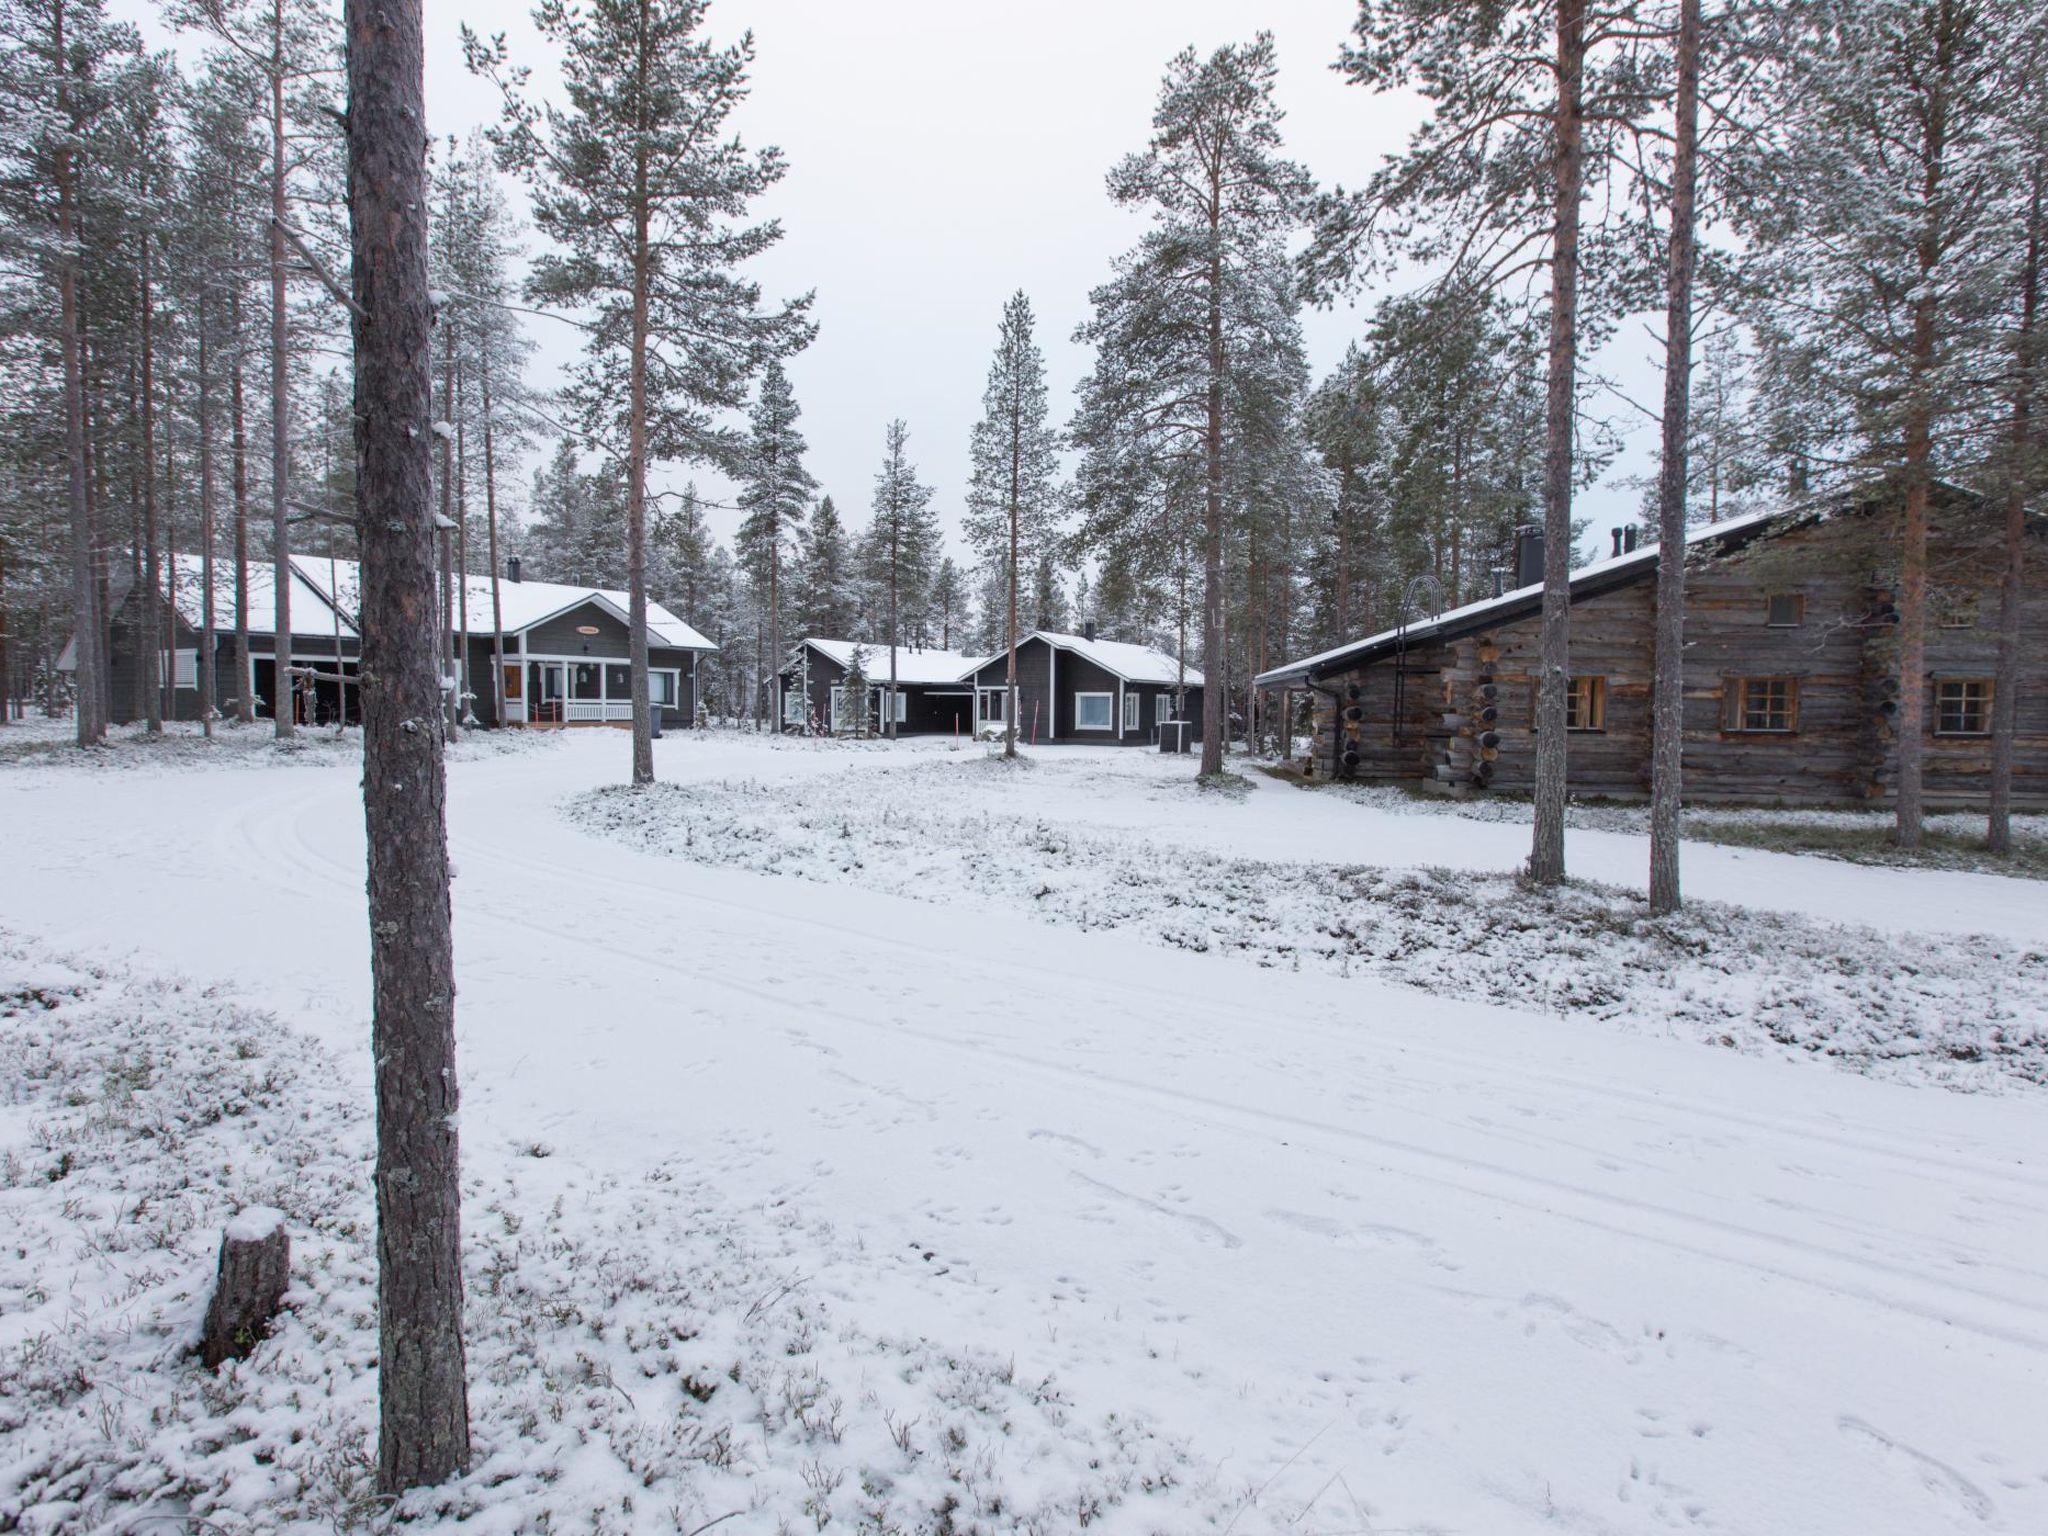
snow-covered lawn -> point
(1953, 839)
(1298, 1251)
(1963, 1010)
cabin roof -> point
(526, 604)
(920, 666)
(1587, 581)
(1132, 663)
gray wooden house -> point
(565, 656)
(1077, 688)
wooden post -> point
(255, 1267)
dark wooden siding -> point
(1842, 656)
(559, 637)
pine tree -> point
(1529, 97)
(1877, 203)
(903, 542)
(1013, 488)
(423, 1432)
(1184, 304)
(775, 491)
(642, 189)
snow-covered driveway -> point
(1391, 1262)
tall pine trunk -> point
(209, 648)
(423, 1429)
(491, 536)
(245, 667)
(150, 619)
(1215, 696)
(1546, 853)
(1667, 704)
(88, 654)
(636, 493)
(283, 691)
(450, 703)
(2023, 476)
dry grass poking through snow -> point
(1965, 1012)
(1954, 839)
(643, 1357)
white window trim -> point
(1108, 726)
(181, 666)
(1134, 712)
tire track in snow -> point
(1535, 1194)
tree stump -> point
(255, 1267)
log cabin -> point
(1791, 667)
(565, 656)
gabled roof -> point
(1589, 580)
(919, 666)
(526, 604)
(1132, 663)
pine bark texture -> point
(1667, 689)
(2021, 480)
(1546, 854)
(423, 1432)
(90, 674)
(282, 687)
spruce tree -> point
(638, 182)
(903, 542)
(1013, 487)
(774, 497)
(827, 580)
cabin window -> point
(1092, 712)
(1785, 610)
(1132, 704)
(1962, 706)
(1764, 704)
(181, 667)
(1162, 708)
(1955, 610)
(1585, 704)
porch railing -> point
(598, 709)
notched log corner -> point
(255, 1268)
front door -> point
(550, 688)
(515, 692)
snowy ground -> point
(1298, 1251)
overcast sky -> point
(943, 155)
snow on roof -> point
(1132, 663)
(524, 603)
(1643, 555)
(312, 614)
(920, 666)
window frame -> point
(1739, 709)
(1987, 706)
(1108, 726)
(1134, 711)
(1596, 698)
(1798, 619)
